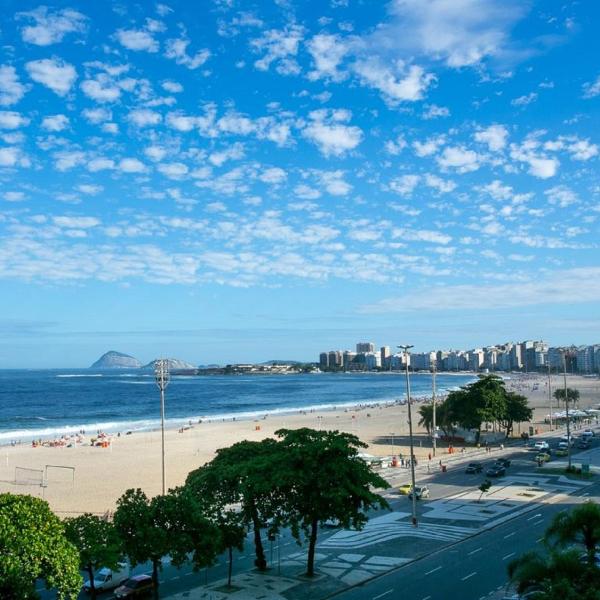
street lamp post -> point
(433, 399)
(161, 372)
(406, 349)
(393, 445)
(550, 395)
(567, 409)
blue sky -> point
(228, 181)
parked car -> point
(421, 491)
(541, 445)
(404, 489)
(474, 467)
(138, 586)
(107, 579)
(496, 471)
(505, 462)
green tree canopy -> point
(33, 546)
(516, 410)
(323, 478)
(572, 395)
(243, 473)
(97, 542)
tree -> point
(580, 526)
(484, 488)
(516, 410)
(322, 477)
(572, 395)
(97, 542)
(426, 414)
(244, 474)
(559, 576)
(33, 546)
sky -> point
(227, 181)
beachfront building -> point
(324, 360)
(475, 359)
(422, 361)
(363, 347)
(348, 358)
(456, 361)
(385, 353)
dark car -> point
(504, 462)
(474, 467)
(496, 471)
(583, 444)
(138, 586)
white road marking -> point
(510, 535)
(426, 598)
(534, 517)
(433, 571)
(538, 522)
(384, 594)
(469, 576)
(475, 551)
(508, 556)
(539, 540)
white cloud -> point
(55, 122)
(174, 170)
(459, 32)
(76, 222)
(441, 185)
(327, 131)
(273, 175)
(421, 235)
(172, 87)
(180, 121)
(176, 49)
(305, 192)
(279, 46)
(97, 115)
(582, 149)
(67, 160)
(144, 117)
(394, 147)
(131, 165)
(14, 196)
(101, 89)
(11, 89)
(562, 196)
(11, 156)
(540, 166)
(405, 184)
(12, 120)
(552, 288)
(495, 136)
(433, 111)
(51, 27)
(233, 152)
(396, 85)
(459, 158)
(100, 164)
(497, 190)
(327, 52)
(54, 73)
(90, 189)
(429, 146)
(155, 153)
(334, 183)
(137, 39)
(524, 100)
(591, 89)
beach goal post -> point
(67, 472)
(26, 476)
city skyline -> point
(226, 182)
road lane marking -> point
(510, 535)
(384, 594)
(426, 598)
(469, 576)
(534, 517)
(433, 571)
(508, 555)
(538, 522)
(175, 578)
(475, 551)
(539, 540)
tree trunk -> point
(90, 571)
(260, 561)
(310, 567)
(230, 566)
(155, 563)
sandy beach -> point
(102, 474)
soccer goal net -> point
(26, 476)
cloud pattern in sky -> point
(333, 155)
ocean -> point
(49, 403)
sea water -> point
(50, 403)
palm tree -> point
(581, 526)
(426, 414)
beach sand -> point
(101, 475)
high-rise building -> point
(323, 360)
(365, 347)
(335, 359)
(385, 354)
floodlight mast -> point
(161, 372)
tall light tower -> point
(406, 349)
(161, 373)
(567, 408)
(550, 394)
(433, 401)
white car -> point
(588, 433)
(107, 579)
(421, 491)
(541, 445)
(566, 439)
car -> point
(541, 445)
(474, 467)
(566, 439)
(588, 433)
(563, 445)
(496, 471)
(583, 444)
(404, 489)
(505, 462)
(331, 523)
(562, 452)
(138, 586)
(542, 457)
(421, 491)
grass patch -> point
(577, 474)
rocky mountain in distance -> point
(116, 360)
(175, 364)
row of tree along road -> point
(298, 481)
